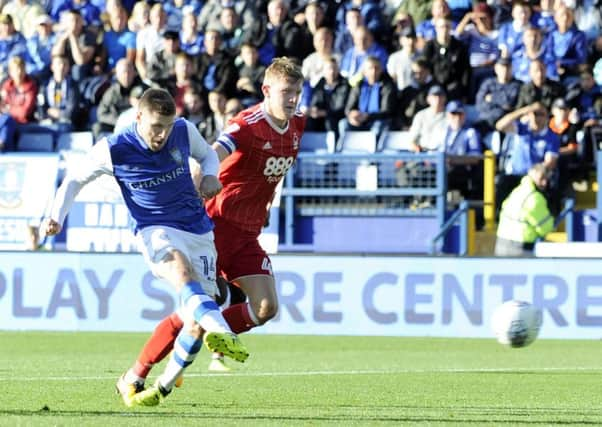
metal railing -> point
(350, 184)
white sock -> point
(186, 347)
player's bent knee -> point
(267, 310)
(195, 330)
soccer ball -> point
(516, 323)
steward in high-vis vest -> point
(525, 216)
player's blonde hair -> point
(283, 68)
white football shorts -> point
(156, 242)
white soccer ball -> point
(516, 323)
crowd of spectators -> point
(449, 72)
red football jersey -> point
(260, 155)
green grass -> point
(67, 379)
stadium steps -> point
(484, 243)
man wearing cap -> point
(39, 49)
(428, 124)
(462, 146)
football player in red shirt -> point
(256, 150)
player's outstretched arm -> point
(95, 163)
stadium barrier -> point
(379, 202)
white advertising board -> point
(350, 295)
(27, 185)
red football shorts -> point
(238, 252)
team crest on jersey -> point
(295, 141)
(267, 145)
(176, 155)
(12, 178)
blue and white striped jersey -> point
(156, 186)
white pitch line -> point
(319, 373)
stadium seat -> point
(315, 172)
(318, 142)
(398, 140)
(75, 141)
(358, 141)
(32, 142)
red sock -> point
(238, 318)
(158, 345)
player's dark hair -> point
(158, 101)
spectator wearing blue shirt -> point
(343, 37)
(119, 42)
(88, 11)
(371, 103)
(191, 40)
(12, 43)
(533, 142)
(363, 46)
(477, 32)
(535, 47)
(39, 49)
(511, 33)
(544, 18)
(425, 31)
(497, 96)
(569, 45)
(462, 146)
(370, 11)
(231, 31)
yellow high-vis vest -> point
(525, 215)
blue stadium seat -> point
(32, 142)
(314, 172)
(358, 141)
(354, 142)
(318, 142)
(75, 141)
(397, 140)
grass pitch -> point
(67, 379)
